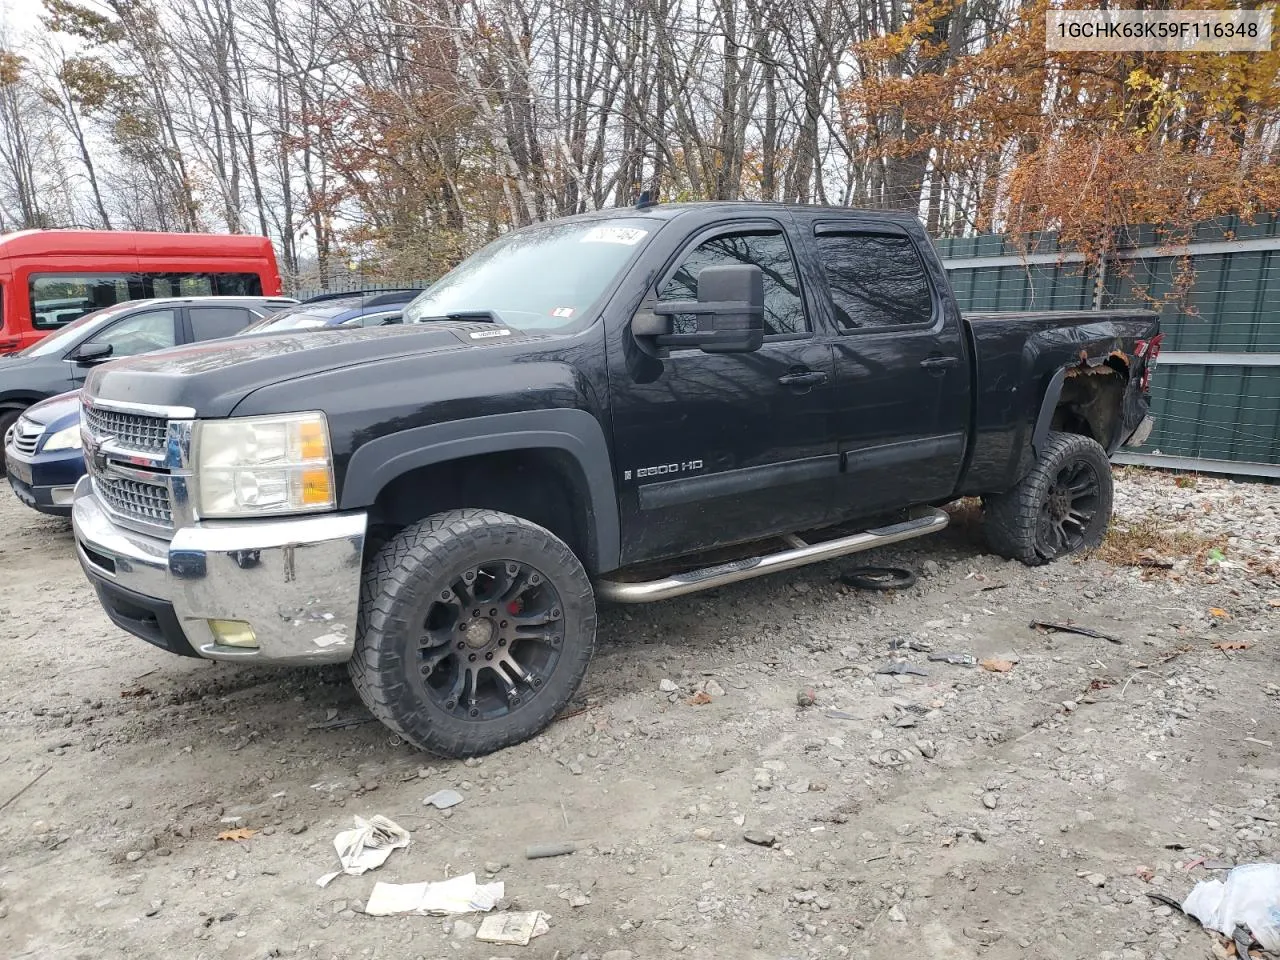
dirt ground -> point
(966, 813)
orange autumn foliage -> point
(1081, 144)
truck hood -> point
(211, 378)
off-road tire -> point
(397, 588)
(7, 419)
(1013, 521)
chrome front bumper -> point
(295, 581)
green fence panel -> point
(1207, 407)
(1216, 413)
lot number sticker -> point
(628, 236)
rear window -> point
(59, 298)
(213, 323)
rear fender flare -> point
(576, 432)
(1044, 422)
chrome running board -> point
(922, 522)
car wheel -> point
(1061, 507)
(475, 630)
(7, 419)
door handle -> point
(939, 365)
(803, 378)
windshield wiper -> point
(483, 316)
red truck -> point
(50, 277)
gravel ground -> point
(964, 813)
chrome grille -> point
(24, 435)
(131, 431)
(148, 502)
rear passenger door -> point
(902, 379)
(216, 322)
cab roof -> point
(671, 211)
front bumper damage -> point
(295, 581)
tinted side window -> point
(200, 284)
(59, 298)
(140, 333)
(211, 323)
(237, 284)
(876, 280)
(767, 249)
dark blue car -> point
(43, 450)
(372, 309)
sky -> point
(20, 16)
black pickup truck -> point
(633, 405)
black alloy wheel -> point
(489, 639)
(475, 630)
(1062, 506)
(1069, 509)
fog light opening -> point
(63, 495)
(233, 633)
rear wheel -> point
(476, 628)
(1061, 507)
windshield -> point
(66, 336)
(544, 277)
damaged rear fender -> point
(1095, 396)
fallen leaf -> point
(996, 665)
(1145, 874)
(1219, 613)
(1232, 645)
(136, 692)
(699, 698)
(1274, 602)
(239, 833)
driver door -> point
(719, 448)
(129, 336)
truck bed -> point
(1016, 356)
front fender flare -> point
(576, 432)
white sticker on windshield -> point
(563, 312)
(629, 236)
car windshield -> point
(64, 337)
(545, 277)
(300, 318)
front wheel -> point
(475, 630)
(7, 419)
(1062, 506)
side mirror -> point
(729, 308)
(92, 352)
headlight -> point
(68, 438)
(248, 466)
